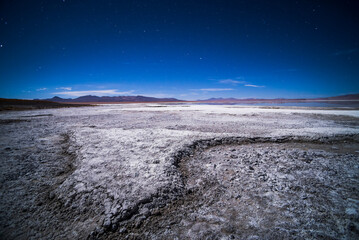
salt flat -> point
(148, 171)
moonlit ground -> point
(104, 170)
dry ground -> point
(151, 171)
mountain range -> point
(105, 99)
(57, 102)
(131, 99)
(348, 97)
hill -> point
(105, 99)
(20, 104)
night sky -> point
(185, 49)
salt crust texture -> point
(92, 172)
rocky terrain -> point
(149, 171)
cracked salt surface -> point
(105, 171)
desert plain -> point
(179, 171)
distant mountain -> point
(235, 100)
(348, 97)
(342, 97)
(219, 99)
(105, 99)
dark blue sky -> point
(184, 49)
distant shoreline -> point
(19, 104)
(225, 101)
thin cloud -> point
(41, 89)
(64, 88)
(109, 92)
(234, 82)
(346, 52)
(231, 81)
(252, 85)
(216, 89)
